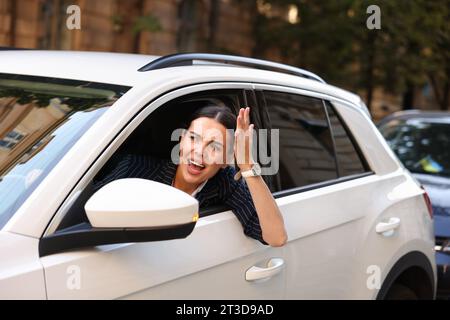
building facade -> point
(159, 27)
(140, 26)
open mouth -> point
(195, 167)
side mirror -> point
(128, 210)
(140, 203)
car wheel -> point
(400, 292)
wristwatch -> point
(253, 172)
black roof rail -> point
(187, 59)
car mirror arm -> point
(84, 235)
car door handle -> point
(387, 228)
(274, 266)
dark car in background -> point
(421, 140)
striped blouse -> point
(220, 189)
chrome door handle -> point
(387, 228)
(274, 266)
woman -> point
(203, 172)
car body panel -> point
(320, 221)
(21, 273)
(202, 266)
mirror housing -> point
(128, 210)
(140, 203)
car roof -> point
(116, 68)
(122, 69)
(441, 116)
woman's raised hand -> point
(243, 142)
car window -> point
(152, 141)
(306, 152)
(423, 145)
(348, 158)
(40, 120)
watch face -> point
(256, 170)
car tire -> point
(400, 292)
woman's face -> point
(202, 150)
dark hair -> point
(221, 114)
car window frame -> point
(115, 143)
(262, 88)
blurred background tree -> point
(403, 65)
(332, 39)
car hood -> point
(438, 188)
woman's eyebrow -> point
(195, 134)
(220, 144)
(216, 143)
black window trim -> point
(288, 192)
(333, 140)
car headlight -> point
(442, 245)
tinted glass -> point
(349, 161)
(306, 148)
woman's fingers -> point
(247, 117)
(239, 119)
(243, 137)
(243, 119)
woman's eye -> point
(211, 148)
(216, 148)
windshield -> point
(423, 145)
(40, 120)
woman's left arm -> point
(270, 218)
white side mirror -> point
(140, 203)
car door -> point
(211, 263)
(322, 190)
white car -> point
(359, 226)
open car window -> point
(153, 138)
